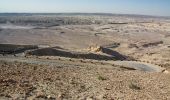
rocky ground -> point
(80, 82)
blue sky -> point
(146, 7)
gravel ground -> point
(19, 80)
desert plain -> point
(84, 57)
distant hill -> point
(82, 14)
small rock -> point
(166, 72)
(48, 96)
(89, 98)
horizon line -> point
(83, 13)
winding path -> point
(127, 64)
(140, 66)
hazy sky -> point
(147, 7)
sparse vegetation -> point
(96, 34)
(134, 86)
(152, 44)
(101, 78)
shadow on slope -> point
(15, 49)
(115, 54)
(61, 53)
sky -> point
(143, 7)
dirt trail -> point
(139, 66)
(65, 61)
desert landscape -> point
(84, 56)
